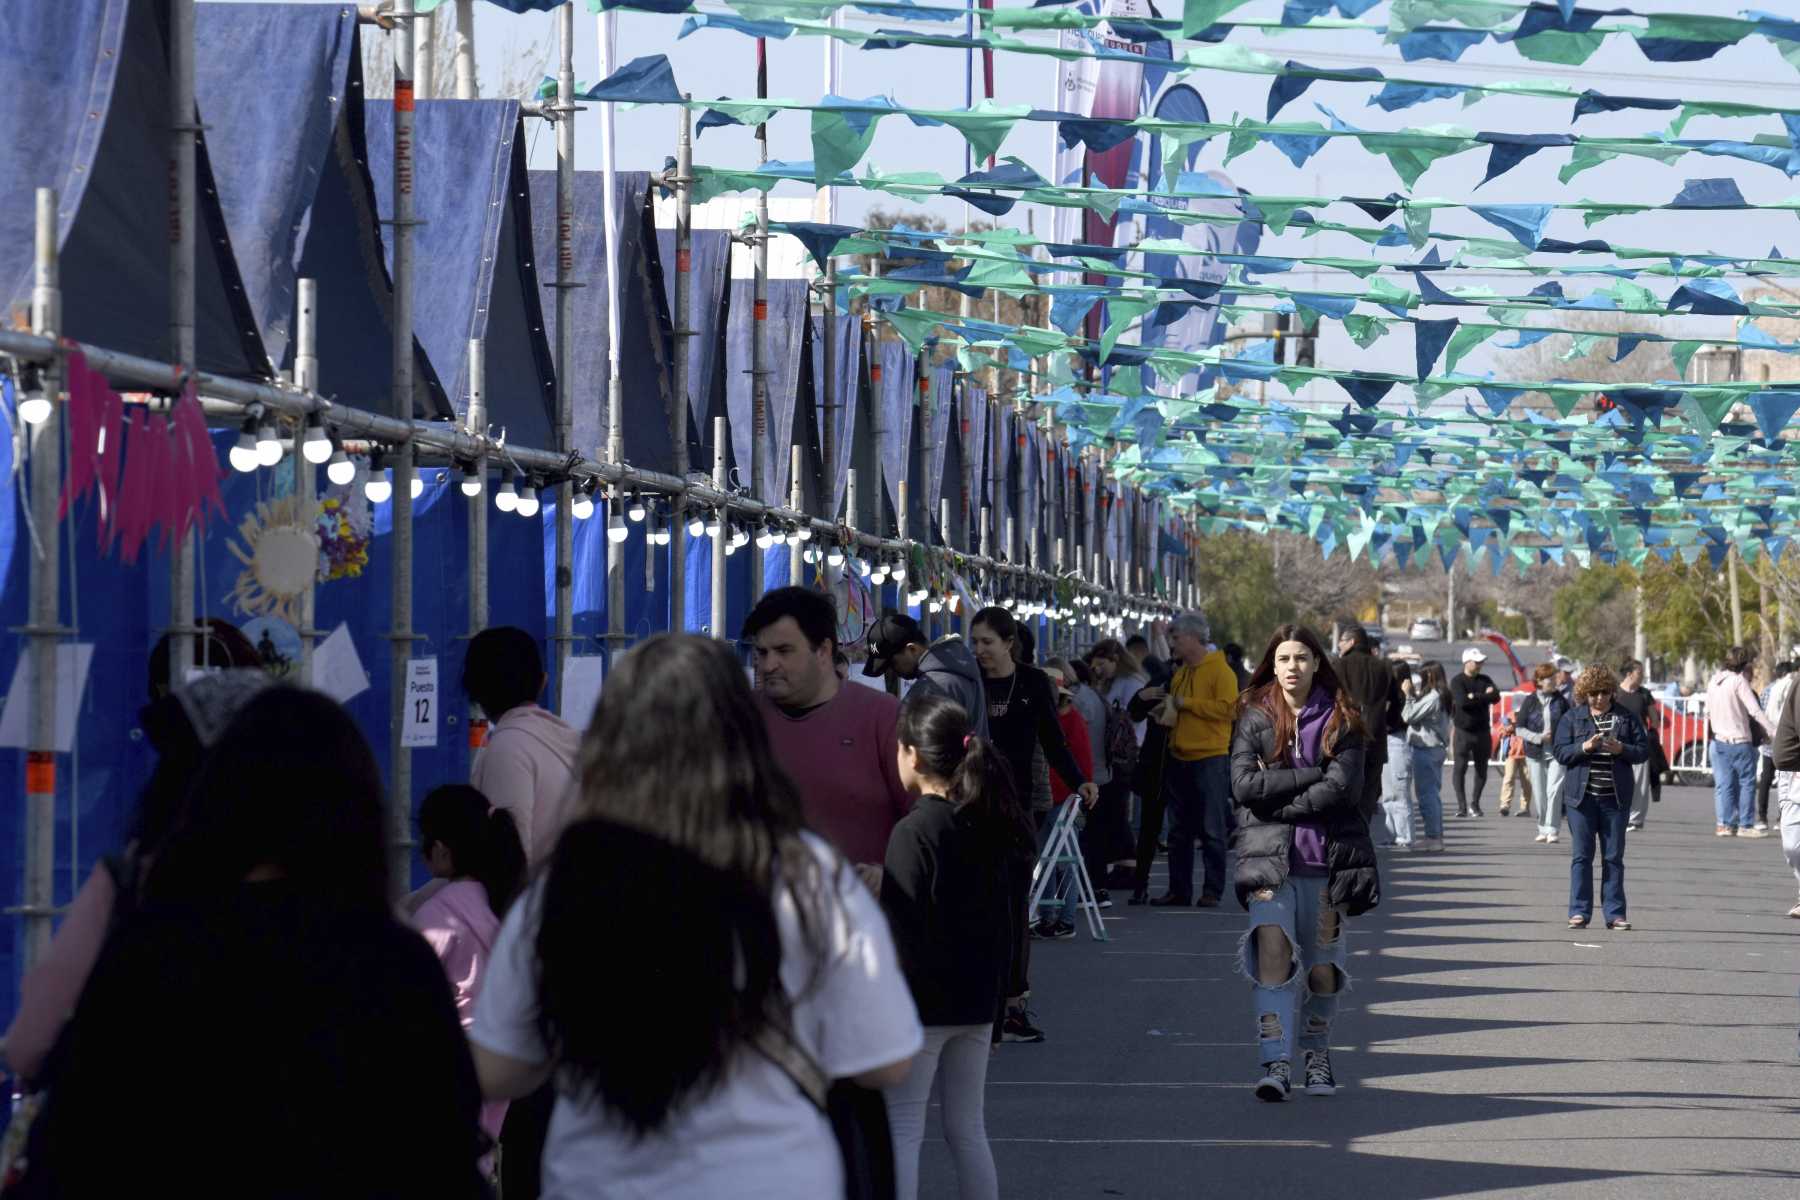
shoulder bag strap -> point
(777, 1044)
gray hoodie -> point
(949, 669)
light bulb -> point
(341, 471)
(471, 482)
(34, 409)
(809, 556)
(528, 502)
(866, 567)
(835, 558)
(659, 533)
(696, 526)
(616, 529)
(806, 533)
(636, 511)
(713, 525)
(740, 537)
(316, 447)
(378, 489)
(898, 571)
(730, 547)
(879, 576)
(418, 486)
(268, 446)
(243, 455)
(765, 539)
(793, 537)
(935, 606)
(582, 507)
(506, 500)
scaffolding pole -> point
(684, 333)
(565, 332)
(184, 132)
(615, 388)
(228, 399)
(424, 33)
(401, 634)
(45, 630)
(796, 499)
(475, 422)
(306, 478)
(722, 531)
(464, 50)
(759, 367)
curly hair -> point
(1597, 680)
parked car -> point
(1426, 630)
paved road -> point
(1486, 1050)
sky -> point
(717, 62)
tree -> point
(1321, 589)
(1238, 588)
(1594, 621)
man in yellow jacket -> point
(1197, 777)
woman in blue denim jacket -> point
(1598, 743)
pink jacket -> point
(528, 768)
(461, 928)
(1731, 706)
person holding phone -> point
(1598, 743)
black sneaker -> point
(1319, 1079)
(1276, 1081)
(1103, 898)
(1017, 1026)
(1053, 929)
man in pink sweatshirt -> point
(529, 765)
(835, 741)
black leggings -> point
(1471, 749)
(1765, 780)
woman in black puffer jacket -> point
(1304, 858)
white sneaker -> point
(1761, 827)
(1794, 911)
(1551, 838)
(1542, 837)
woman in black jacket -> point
(946, 890)
(1598, 743)
(1304, 859)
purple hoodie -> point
(1308, 857)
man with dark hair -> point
(1376, 690)
(941, 668)
(837, 743)
(1633, 697)
(1234, 658)
(1155, 667)
(527, 765)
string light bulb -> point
(268, 445)
(582, 506)
(317, 446)
(528, 504)
(340, 470)
(506, 499)
(243, 455)
(471, 481)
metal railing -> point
(1681, 727)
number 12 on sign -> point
(421, 703)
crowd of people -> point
(847, 872)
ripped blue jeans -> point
(1299, 909)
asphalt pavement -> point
(1485, 1050)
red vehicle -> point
(1682, 729)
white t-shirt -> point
(756, 1136)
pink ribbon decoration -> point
(96, 424)
(131, 517)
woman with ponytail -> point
(945, 887)
(474, 848)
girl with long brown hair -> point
(1304, 859)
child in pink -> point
(475, 853)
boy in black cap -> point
(946, 667)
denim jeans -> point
(1393, 825)
(1199, 794)
(1428, 785)
(1298, 905)
(1734, 784)
(1602, 821)
(1546, 792)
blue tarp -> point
(897, 389)
(86, 111)
(308, 212)
(844, 395)
(784, 339)
(711, 258)
(473, 274)
(643, 312)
